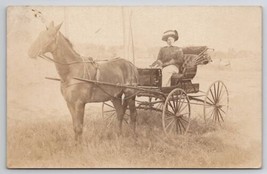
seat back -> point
(189, 67)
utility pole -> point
(66, 21)
(132, 39)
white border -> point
(5, 3)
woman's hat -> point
(170, 33)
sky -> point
(221, 28)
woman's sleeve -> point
(160, 55)
(180, 56)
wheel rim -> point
(109, 114)
(216, 103)
(176, 113)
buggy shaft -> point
(119, 86)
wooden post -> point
(124, 33)
(132, 43)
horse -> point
(70, 64)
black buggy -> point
(175, 102)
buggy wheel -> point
(176, 113)
(109, 114)
(216, 103)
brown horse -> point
(70, 64)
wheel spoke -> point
(178, 101)
(177, 122)
(215, 101)
(108, 105)
(209, 105)
(170, 113)
(182, 118)
(214, 87)
(212, 95)
(220, 115)
(181, 104)
(159, 106)
(173, 109)
(182, 124)
(176, 107)
(172, 126)
(215, 117)
(170, 123)
(220, 92)
(174, 103)
(110, 122)
(183, 109)
(210, 110)
(109, 111)
(110, 116)
(212, 115)
(218, 87)
(222, 110)
(169, 117)
(212, 102)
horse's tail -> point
(134, 74)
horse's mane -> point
(70, 44)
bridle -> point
(82, 61)
(45, 57)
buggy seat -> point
(188, 69)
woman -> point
(170, 57)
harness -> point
(86, 71)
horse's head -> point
(45, 42)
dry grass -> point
(40, 128)
(40, 132)
(50, 144)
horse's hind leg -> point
(133, 113)
(120, 112)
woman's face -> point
(170, 41)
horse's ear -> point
(58, 26)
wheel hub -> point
(217, 105)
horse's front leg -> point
(77, 113)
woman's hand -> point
(156, 64)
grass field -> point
(51, 144)
(40, 133)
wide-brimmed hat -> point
(170, 33)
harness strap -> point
(85, 72)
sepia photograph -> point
(134, 87)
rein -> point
(60, 63)
(85, 72)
